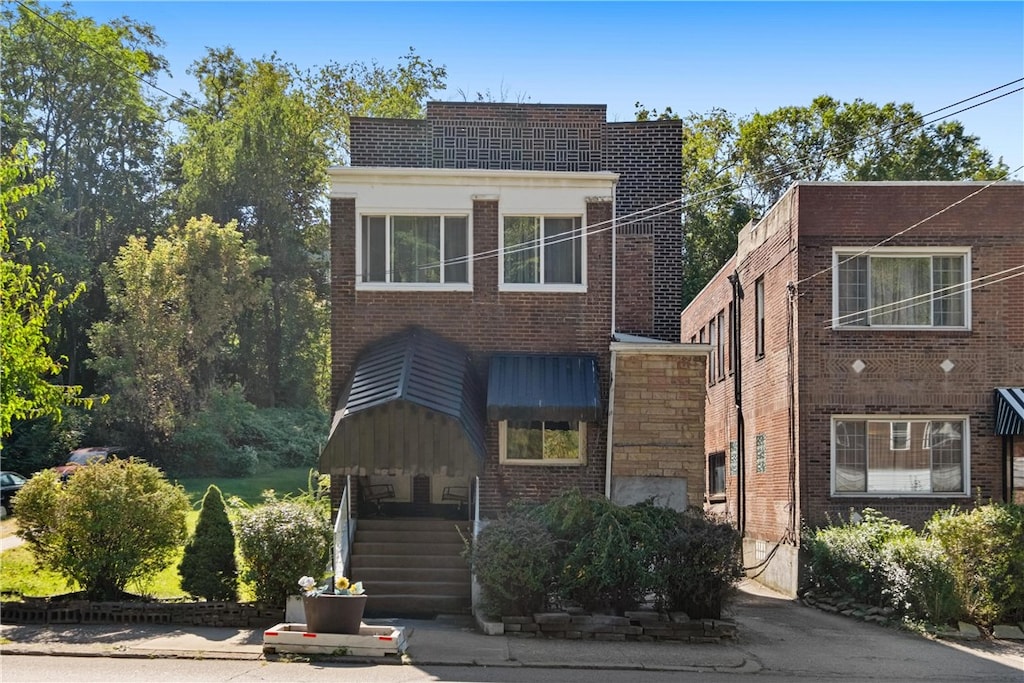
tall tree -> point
(173, 326)
(28, 300)
(736, 168)
(75, 89)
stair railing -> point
(344, 530)
(476, 506)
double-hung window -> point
(900, 456)
(543, 250)
(900, 287)
(415, 250)
(542, 442)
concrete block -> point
(968, 631)
(1007, 632)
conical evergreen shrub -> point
(208, 569)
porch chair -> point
(374, 494)
(458, 494)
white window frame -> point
(414, 286)
(841, 254)
(542, 286)
(505, 460)
(836, 438)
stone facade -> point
(810, 371)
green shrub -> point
(281, 541)
(513, 559)
(606, 551)
(700, 566)
(919, 581)
(109, 525)
(985, 550)
(848, 557)
(208, 568)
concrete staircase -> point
(411, 567)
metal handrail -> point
(476, 506)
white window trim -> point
(543, 287)
(413, 286)
(505, 460)
(966, 437)
(841, 253)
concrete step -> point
(425, 605)
(364, 560)
(391, 524)
(361, 547)
(413, 574)
(460, 588)
(408, 536)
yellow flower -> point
(341, 583)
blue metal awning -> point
(1010, 411)
(543, 387)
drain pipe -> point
(737, 379)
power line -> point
(940, 293)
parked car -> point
(10, 484)
(81, 457)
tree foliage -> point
(735, 168)
(110, 525)
(208, 568)
(29, 301)
(74, 89)
(173, 325)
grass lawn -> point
(249, 489)
(20, 575)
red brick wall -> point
(485, 321)
(902, 373)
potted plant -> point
(334, 607)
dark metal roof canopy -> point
(413, 405)
(1010, 411)
(543, 387)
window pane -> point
(948, 275)
(900, 291)
(896, 469)
(416, 249)
(524, 440)
(947, 447)
(561, 441)
(562, 251)
(716, 470)
(759, 316)
(851, 456)
(522, 250)
(853, 290)
(374, 249)
(456, 248)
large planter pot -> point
(334, 613)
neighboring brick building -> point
(479, 240)
(867, 351)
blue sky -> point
(739, 56)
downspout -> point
(737, 380)
(611, 371)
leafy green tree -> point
(111, 525)
(208, 568)
(75, 89)
(29, 302)
(173, 326)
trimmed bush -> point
(513, 559)
(208, 568)
(281, 541)
(111, 524)
(985, 551)
(700, 567)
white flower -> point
(356, 588)
(308, 584)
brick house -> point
(499, 287)
(867, 351)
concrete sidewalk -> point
(775, 635)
